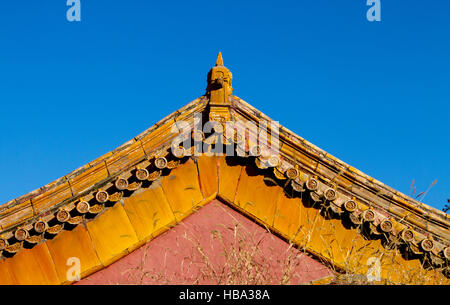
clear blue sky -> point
(376, 95)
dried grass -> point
(244, 262)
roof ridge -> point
(49, 186)
(297, 163)
(357, 172)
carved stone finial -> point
(219, 61)
(219, 90)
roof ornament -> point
(219, 61)
(219, 90)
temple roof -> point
(296, 166)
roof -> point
(346, 198)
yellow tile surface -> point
(397, 269)
(159, 136)
(149, 212)
(228, 179)
(207, 167)
(51, 197)
(13, 215)
(6, 277)
(88, 177)
(75, 243)
(287, 219)
(101, 158)
(182, 189)
(33, 267)
(257, 197)
(122, 159)
(332, 240)
(112, 234)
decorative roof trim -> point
(291, 177)
(300, 167)
(332, 165)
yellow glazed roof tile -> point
(207, 167)
(228, 179)
(33, 267)
(149, 212)
(15, 213)
(120, 220)
(257, 195)
(182, 189)
(112, 234)
(73, 244)
(51, 198)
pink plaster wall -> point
(216, 245)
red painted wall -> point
(216, 245)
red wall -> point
(216, 245)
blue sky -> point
(374, 94)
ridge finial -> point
(219, 91)
(219, 61)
